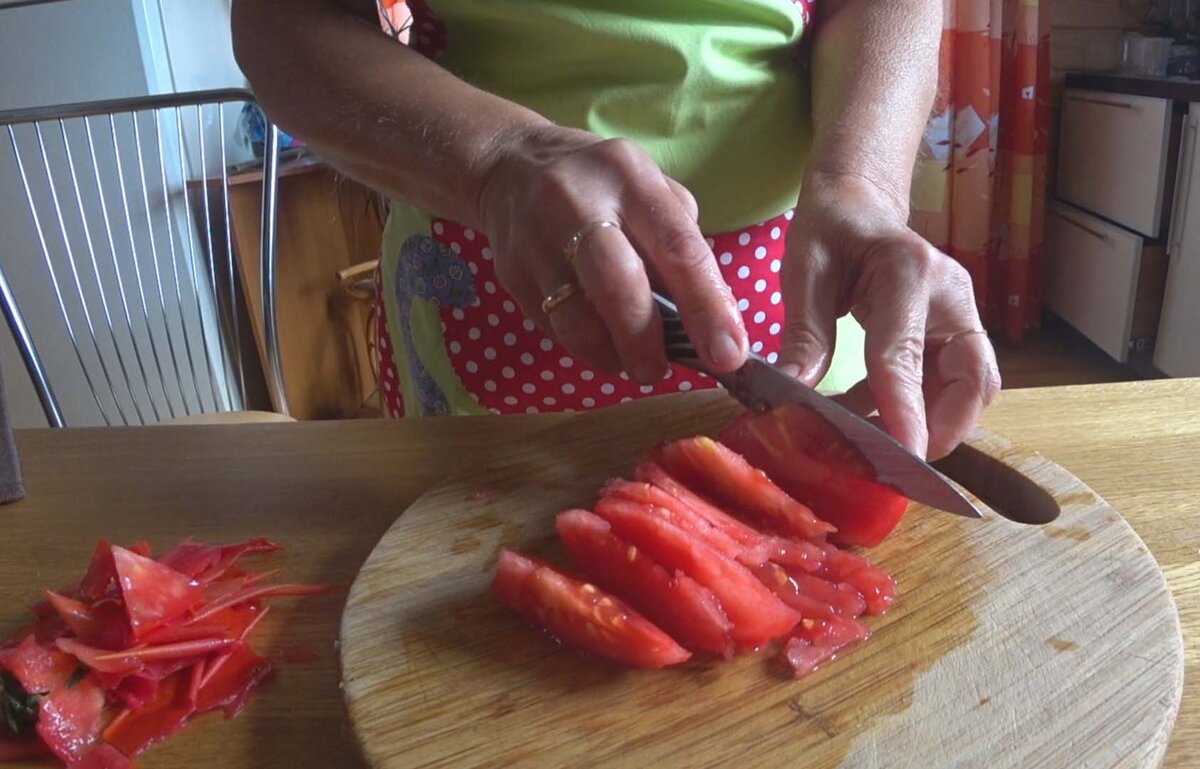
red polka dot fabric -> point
(510, 367)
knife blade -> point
(760, 386)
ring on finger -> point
(571, 250)
(558, 296)
(956, 335)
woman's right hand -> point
(545, 184)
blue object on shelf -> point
(254, 125)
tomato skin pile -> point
(707, 551)
(134, 651)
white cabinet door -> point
(1112, 156)
(1177, 349)
(1092, 270)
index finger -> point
(896, 293)
(669, 239)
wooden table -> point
(328, 490)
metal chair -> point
(131, 282)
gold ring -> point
(572, 248)
(560, 295)
(956, 335)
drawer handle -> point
(1093, 232)
(1183, 190)
(1104, 102)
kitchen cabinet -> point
(1122, 244)
(1177, 352)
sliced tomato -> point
(810, 460)
(726, 477)
(678, 604)
(582, 615)
(223, 599)
(135, 730)
(875, 585)
(154, 594)
(70, 719)
(832, 631)
(233, 622)
(101, 577)
(760, 546)
(661, 503)
(818, 641)
(229, 680)
(804, 658)
(103, 756)
(38, 669)
(208, 562)
(757, 615)
(785, 588)
(844, 599)
(136, 658)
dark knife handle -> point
(678, 345)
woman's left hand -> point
(931, 369)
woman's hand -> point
(544, 185)
(930, 368)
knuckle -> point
(905, 358)
(681, 249)
(622, 153)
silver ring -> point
(571, 251)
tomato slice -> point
(103, 756)
(154, 594)
(875, 585)
(229, 680)
(208, 562)
(760, 547)
(810, 460)
(69, 720)
(130, 660)
(661, 503)
(37, 668)
(678, 604)
(133, 731)
(785, 588)
(726, 477)
(757, 615)
(582, 615)
(818, 641)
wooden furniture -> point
(329, 490)
(1124, 188)
(1009, 644)
(327, 223)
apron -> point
(713, 90)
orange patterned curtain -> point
(980, 183)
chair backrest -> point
(122, 284)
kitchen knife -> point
(760, 386)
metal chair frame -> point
(83, 258)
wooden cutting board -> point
(1009, 646)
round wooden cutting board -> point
(1009, 646)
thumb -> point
(810, 290)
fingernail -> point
(791, 369)
(724, 351)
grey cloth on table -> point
(11, 486)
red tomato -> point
(874, 584)
(582, 615)
(229, 679)
(661, 503)
(69, 720)
(757, 615)
(781, 583)
(208, 562)
(154, 594)
(724, 476)
(103, 757)
(760, 547)
(132, 731)
(677, 604)
(38, 669)
(804, 658)
(844, 599)
(810, 460)
(832, 631)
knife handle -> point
(678, 345)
